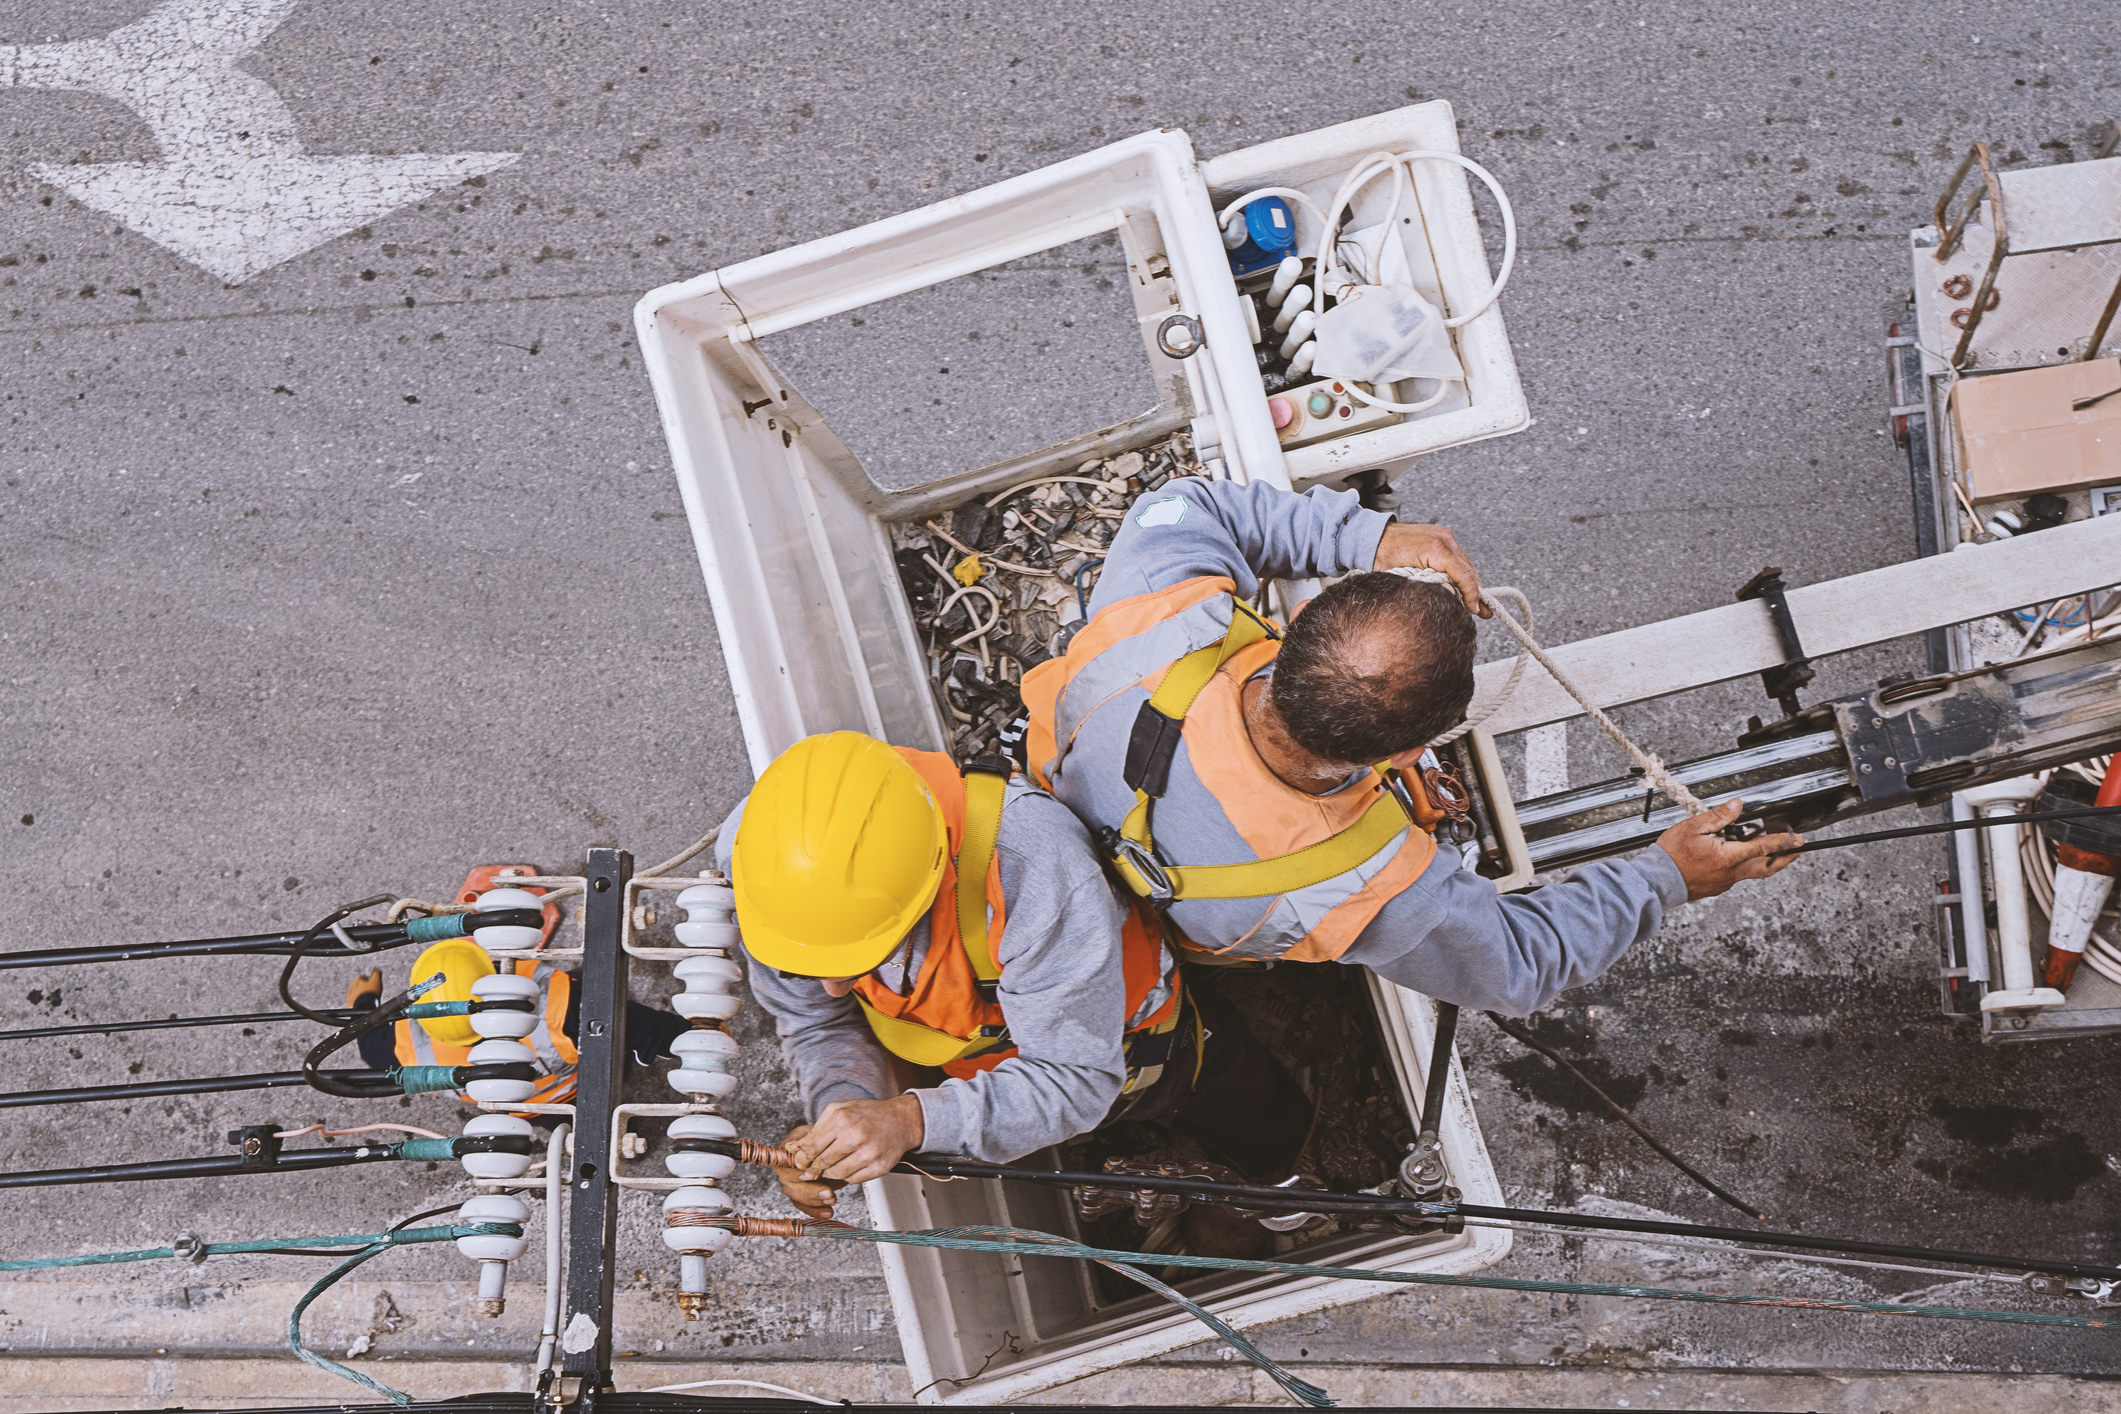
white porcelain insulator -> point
(705, 1059)
(710, 917)
(715, 1166)
(708, 982)
(493, 1208)
(1300, 363)
(683, 1238)
(508, 938)
(497, 1165)
(503, 1025)
(504, 987)
(500, 1052)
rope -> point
(1654, 769)
(200, 1251)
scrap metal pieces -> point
(1002, 583)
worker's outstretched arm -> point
(1243, 531)
(1451, 937)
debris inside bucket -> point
(1002, 583)
(1319, 1025)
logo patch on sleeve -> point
(1171, 510)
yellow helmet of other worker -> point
(461, 963)
(839, 853)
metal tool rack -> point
(2024, 273)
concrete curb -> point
(48, 1385)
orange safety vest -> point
(555, 1052)
(1333, 860)
(949, 1016)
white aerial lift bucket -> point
(794, 541)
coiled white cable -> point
(1378, 163)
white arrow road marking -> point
(234, 192)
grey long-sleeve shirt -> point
(1448, 934)
(1062, 992)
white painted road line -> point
(233, 193)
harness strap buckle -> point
(1154, 880)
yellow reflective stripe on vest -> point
(1382, 823)
(984, 794)
(923, 1045)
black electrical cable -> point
(1621, 1112)
(1910, 831)
(287, 973)
(367, 938)
(153, 1089)
(384, 1015)
(175, 1023)
(220, 1166)
(943, 1166)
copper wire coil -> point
(696, 1217)
(751, 1151)
(744, 1225)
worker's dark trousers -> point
(1242, 1107)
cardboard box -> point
(2018, 434)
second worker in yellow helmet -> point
(894, 906)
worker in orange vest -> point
(894, 905)
(461, 961)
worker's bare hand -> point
(814, 1199)
(1711, 863)
(857, 1140)
(1430, 547)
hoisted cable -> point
(1620, 1111)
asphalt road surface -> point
(340, 551)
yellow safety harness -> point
(1150, 751)
(924, 1045)
(986, 787)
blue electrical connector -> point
(1270, 235)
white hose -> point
(1379, 162)
(1443, 390)
(555, 1189)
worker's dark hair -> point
(1377, 664)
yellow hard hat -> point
(839, 853)
(461, 963)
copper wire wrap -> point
(744, 1225)
(694, 1217)
(751, 1151)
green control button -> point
(1319, 405)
